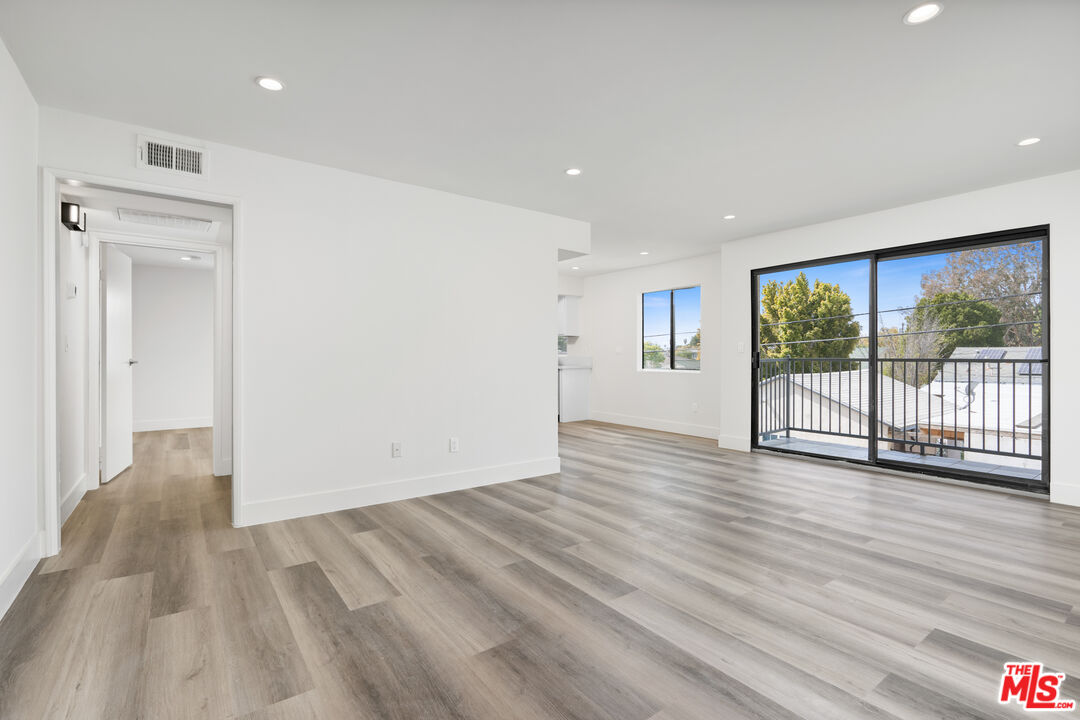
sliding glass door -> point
(813, 373)
(932, 358)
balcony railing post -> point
(787, 397)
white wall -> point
(20, 313)
(571, 285)
(723, 387)
(687, 402)
(173, 340)
(369, 311)
(71, 368)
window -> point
(671, 329)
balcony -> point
(978, 417)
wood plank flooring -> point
(656, 578)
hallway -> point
(657, 577)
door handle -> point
(133, 362)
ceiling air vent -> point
(174, 222)
(171, 156)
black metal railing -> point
(927, 406)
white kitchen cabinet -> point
(569, 322)
(573, 394)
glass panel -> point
(814, 374)
(656, 329)
(687, 328)
(959, 337)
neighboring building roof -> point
(899, 404)
(978, 371)
(1015, 406)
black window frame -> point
(671, 328)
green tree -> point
(653, 355)
(793, 313)
(927, 334)
(993, 272)
(948, 310)
(691, 349)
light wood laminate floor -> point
(656, 577)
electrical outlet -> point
(454, 444)
(693, 407)
(395, 449)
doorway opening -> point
(142, 306)
(157, 349)
(930, 358)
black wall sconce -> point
(71, 218)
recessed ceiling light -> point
(729, 217)
(643, 252)
(269, 83)
(575, 267)
(573, 171)
(1028, 141)
(923, 13)
(190, 258)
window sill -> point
(669, 371)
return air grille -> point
(189, 161)
(165, 155)
(159, 156)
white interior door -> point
(119, 409)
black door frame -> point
(1006, 237)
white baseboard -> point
(19, 571)
(266, 511)
(1064, 493)
(224, 468)
(72, 498)
(671, 426)
(734, 442)
(173, 424)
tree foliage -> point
(825, 308)
(691, 349)
(653, 355)
(948, 310)
(927, 334)
(995, 272)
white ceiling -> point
(679, 112)
(162, 257)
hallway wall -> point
(72, 388)
(173, 340)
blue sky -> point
(898, 283)
(656, 315)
